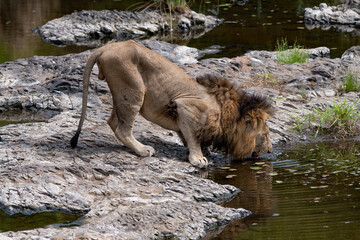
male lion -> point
(209, 111)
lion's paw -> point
(146, 151)
(200, 162)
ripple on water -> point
(303, 192)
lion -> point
(207, 111)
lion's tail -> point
(88, 67)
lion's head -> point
(252, 133)
(243, 129)
(263, 145)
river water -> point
(303, 192)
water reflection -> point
(258, 24)
(20, 222)
(24, 116)
(306, 192)
(18, 18)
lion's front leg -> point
(190, 115)
(196, 157)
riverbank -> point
(93, 28)
(119, 193)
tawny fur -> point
(210, 111)
(243, 117)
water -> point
(24, 116)
(254, 26)
(304, 192)
(19, 222)
(259, 24)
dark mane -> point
(221, 129)
(224, 90)
(249, 102)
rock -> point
(351, 59)
(119, 193)
(184, 24)
(318, 52)
(351, 54)
(88, 27)
(176, 53)
(343, 17)
(322, 52)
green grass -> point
(350, 82)
(340, 117)
(289, 55)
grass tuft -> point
(340, 117)
(290, 55)
(350, 82)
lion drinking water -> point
(206, 111)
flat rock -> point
(121, 195)
(90, 27)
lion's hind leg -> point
(127, 101)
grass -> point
(350, 82)
(290, 55)
(340, 117)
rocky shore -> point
(121, 195)
(92, 27)
(345, 17)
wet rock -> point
(351, 57)
(346, 17)
(90, 27)
(176, 53)
(318, 52)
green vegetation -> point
(289, 55)
(341, 118)
(350, 82)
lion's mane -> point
(228, 130)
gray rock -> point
(184, 24)
(89, 27)
(344, 17)
(176, 53)
(318, 52)
(351, 59)
(351, 54)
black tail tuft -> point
(74, 140)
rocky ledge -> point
(345, 17)
(90, 27)
(121, 195)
